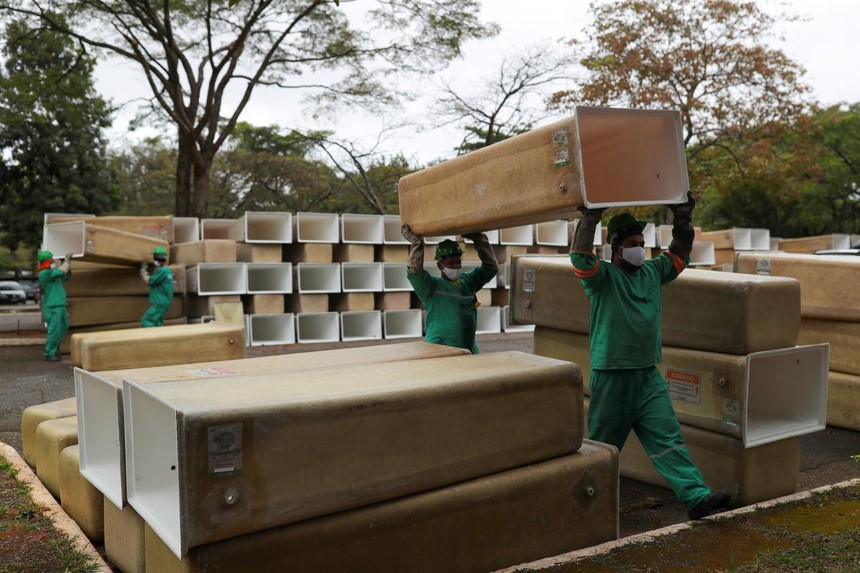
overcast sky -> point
(823, 45)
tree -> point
(51, 125)
(146, 174)
(506, 105)
(198, 56)
(706, 58)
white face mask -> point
(53, 265)
(634, 255)
(452, 274)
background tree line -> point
(760, 152)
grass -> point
(29, 542)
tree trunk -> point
(183, 176)
(200, 188)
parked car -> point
(33, 290)
(11, 292)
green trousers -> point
(638, 400)
(154, 316)
(57, 319)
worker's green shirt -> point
(161, 286)
(452, 315)
(53, 291)
(626, 309)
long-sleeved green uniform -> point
(160, 296)
(627, 390)
(54, 309)
(452, 312)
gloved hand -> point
(477, 238)
(66, 267)
(582, 239)
(144, 272)
(416, 249)
(682, 226)
(407, 233)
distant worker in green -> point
(450, 301)
(627, 390)
(54, 310)
(160, 284)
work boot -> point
(715, 500)
(53, 358)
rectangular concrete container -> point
(545, 174)
(99, 244)
(263, 227)
(761, 397)
(263, 303)
(161, 346)
(208, 251)
(843, 338)
(80, 500)
(217, 458)
(186, 229)
(751, 475)
(157, 227)
(309, 253)
(828, 284)
(124, 538)
(843, 401)
(703, 310)
(259, 253)
(809, 245)
(52, 437)
(66, 344)
(499, 520)
(99, 396)
(34, 415)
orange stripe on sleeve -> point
(587, 273)
(677, 261)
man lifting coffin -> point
(54, 310)
(627, 390)
(160, 284)
(452, 307)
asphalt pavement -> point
(27, 379)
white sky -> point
(822, 44)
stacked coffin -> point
(830, 312)
(741, 388)
(414, 456)
(105, 291)
(728, 242)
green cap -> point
(623, 222)
(447, 248)
(44, 256)
(159, 251)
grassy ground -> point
(29, 542)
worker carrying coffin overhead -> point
(160, 284)
(627, 390)
(54, 310)
(452, 307)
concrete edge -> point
(581, 554)
(62, 522)
(21, 341)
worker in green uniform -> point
(160, 284)
(450, 301)
(627, 390)
(54, 310)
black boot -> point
(53, 358)
(714, 501)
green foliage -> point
(51, 124)
(146, 173)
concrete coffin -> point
(158, 227)
(721, 312)
(217, 458)
(545, 174)
(99, 244)
(843, 401)
(751, 475)
(66, 344)
(844, 340)
(539, 510)
(34, 415)
(828, 284)
(116, 282)
(94, 310)
(761, 397)
(208, 251)
(124, 538)
(80, 500)
(161, 346)
(52, 437)
(99, 396)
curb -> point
(581, 554)
(62, 522)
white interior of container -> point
(362, 277)
(217, 279)
(318, 327)
(361, 325)
(523, 235)
(555, 233)
(64, 238)
(268, 227)
(703, 254)
(489, 320)
(266, 329)
(317, 227)
(362, 229)
(394, 277)
(391, 234)
(508, 326)
(186, 229)
(269, 278)
(318, 278)
(216, 228)
(402, 323)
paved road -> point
(27, 379)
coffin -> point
(98, 310)
(844, 340)
(98, 244)
(705, 310)
(241, 454)
(545, 174)
(843, 401)
(495, 521)
(116, 282)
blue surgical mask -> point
(633, 255)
